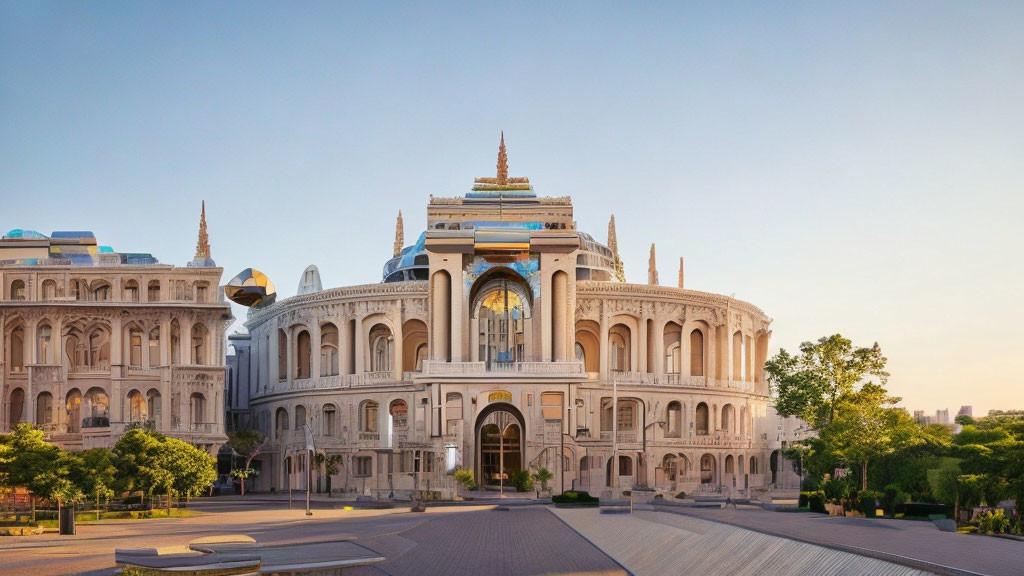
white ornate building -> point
(95, 341)
(507, 333)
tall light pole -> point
(613, 467)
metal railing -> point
(438, 368)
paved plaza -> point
(535, 539)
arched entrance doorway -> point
(499, 442)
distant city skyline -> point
(848, 169)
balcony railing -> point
(142, 370)
(197, 427)
(677, 380)
(624, 436)
(437, 368)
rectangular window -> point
(362, 466)
(551, 405)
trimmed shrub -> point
(893, 496)
(576, 497)
(802, 502)
(814, 500)
(522, 481)
(993, 522)
(681, 495)
(867, 502)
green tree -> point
(29, 456)
(810, 385)
(543, 476)
(865, 426)
(98, 475)
(138, 456)
(247, 444)
(192, 469)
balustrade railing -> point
(437, 368)
(624, 436)
(198, 427)
(676, 379)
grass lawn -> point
(89, 517)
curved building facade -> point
(505, 338)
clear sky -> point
(853, 167)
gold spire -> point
(652, 269)
(502, 161)
(613, 245)
(203, 244)
(399, 234)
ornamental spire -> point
(613, 245)
(203, 244)
(681, 272)
(502, 162)
(652, 269)
(399, 234)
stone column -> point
(290, 356)
(314, 349)
(645, 352)
(603, 351)
(559, 288)
(360, 341)
(457, 311)
(397, 352)
(659, 347)
(185, 352)
(439, 317)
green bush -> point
(993, 522)
(867, 502)
(681, 495)
(815, 500)
(837, 489)
(576, 497)
(893, 496)
(522, 481)
(465, 477)
(802, 502)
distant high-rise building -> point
(966, 411)
(942, 416)
(919, 416)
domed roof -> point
(28, 234)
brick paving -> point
(913, 540)
(465, 540)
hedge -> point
(867, 504)
(923, 509)
(814, 500)
(577, 497)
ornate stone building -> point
(508, 337)
(95, 341)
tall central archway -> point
(500, 309)
(500, 444)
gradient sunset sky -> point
(848, 167)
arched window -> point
(619, 348)
(330, 418)
(453, 412)
(696, 353)
(153, 291)
(45, 345)
(674, 420)
(728, 418)
(131, 291)
(73, 406)
(137, 407)
(282, 355)
(99, 350)
(668, 466)
(730, 466)
(368, 416)
(329, 350)
(97, 409)
(380, 345)
(737, 356)
(500, 301)
(580, 353)
(303, 355)
(175, 343)
(197, 407)
(202, 291)
(100, 290)
(281, 421)
(300, 416)
(753, 465)
(153, 407)
(134, 346)
(44, 409)
(200, 352)
(702, 419)
(49, 289)
(16, 409)
(80, 289)
(399, 412)
(18, 350)
(626, 415)
(18, 290)
(154, 347)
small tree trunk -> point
(168, 503)
(864, 475)
(242, 479)
(97, 506)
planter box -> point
(20, 530)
